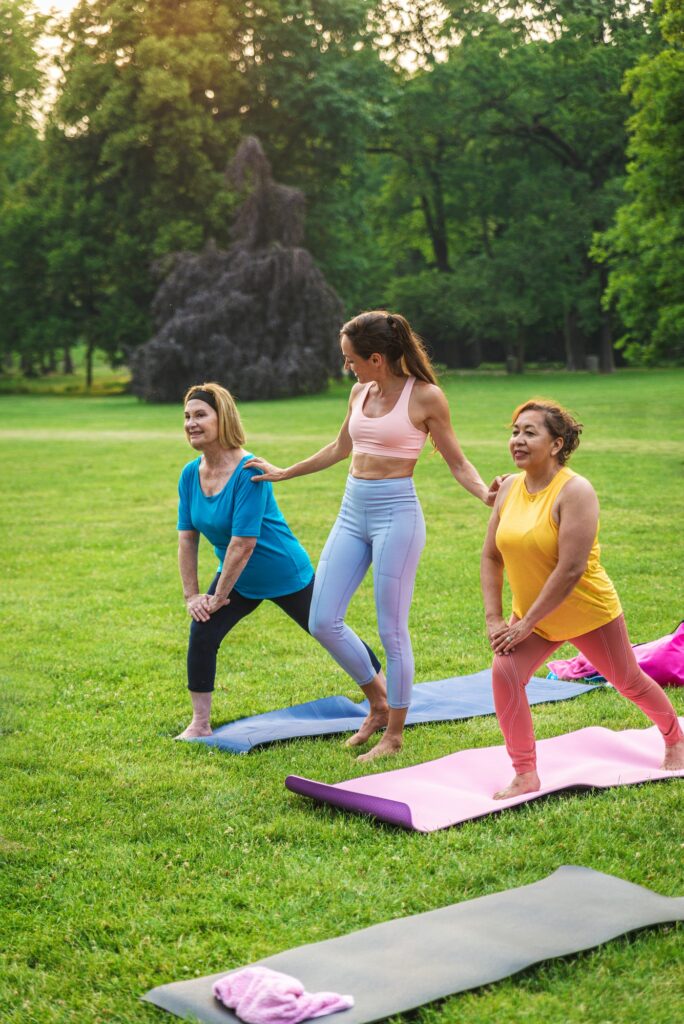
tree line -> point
(506, 175)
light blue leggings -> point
(380, 521)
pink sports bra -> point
(392, 435)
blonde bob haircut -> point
(231, 432)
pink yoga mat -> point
(459, 787)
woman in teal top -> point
(259, 556)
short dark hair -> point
(558, 421)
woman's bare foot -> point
(674, 757)
(387, 746)
(193, 732)
(375, 720)
(528, 782)
(201, 716)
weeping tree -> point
(259, 317)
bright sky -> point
(60, 6)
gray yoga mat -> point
(452, 949)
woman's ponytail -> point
(415, 360)
(391, 335)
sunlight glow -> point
(59, 7)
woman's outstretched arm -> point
(437, 419)
(334, 452)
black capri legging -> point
(207, 637)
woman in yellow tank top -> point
(544, 532)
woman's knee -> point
(632, 682)
(324, 626)
(203, 638)
(504, 676)
(396, 640)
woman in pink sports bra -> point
(392, 409)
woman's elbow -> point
(491, 558)
(342, 449)
(574, 571)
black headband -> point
(204, 396)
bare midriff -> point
(377, 467)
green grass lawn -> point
(130, 860)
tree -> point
(21, 83)
(133, 159)
(259, 317)
(314, 89)
(506, 158)
(644, 247)
(153, 96)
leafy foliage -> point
(21, 83)
(511, 185)
(644, 247)
(458, 158)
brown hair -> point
(231, 432)
(558, 421)
(390, 335)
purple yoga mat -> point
(459, 787)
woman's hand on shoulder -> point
(495, 488)
(498, 490)
(267, 471)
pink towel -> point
(662, 660)
(262, 996)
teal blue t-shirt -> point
(279, 564)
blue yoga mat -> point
(441, 701)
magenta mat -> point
(459, 787)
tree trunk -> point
(515, 356)
(520, 353)
(574, 342)
(437, 232)
(606, 354)
(68, 363)
(474, 350)
(28, 364)
(49, 362)
(442, 233)
(89, 364)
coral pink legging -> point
(609, 649)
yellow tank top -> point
(527, 538)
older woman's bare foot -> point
(201, 716)
(674, 757)
(193, 732)
(372, 723)
(528, 782)
(387, 746)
